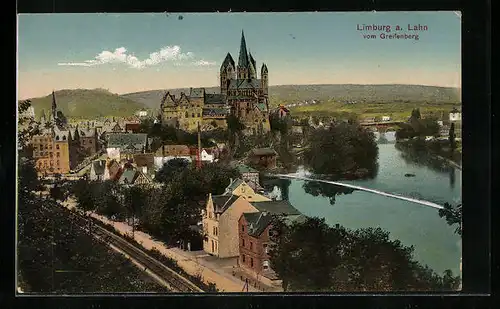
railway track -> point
(174, 281)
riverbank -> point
(436, 148)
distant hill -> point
(361, 93)
(85, 103)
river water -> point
(434, 241)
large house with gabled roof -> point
(126, 145)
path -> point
(210, 271)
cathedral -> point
(246, 94)
(242, 94)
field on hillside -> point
(87, 104)
(372, 100)
(396, 110)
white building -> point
(142, 113)
(207, 156)
(455, 115)
(386, 118)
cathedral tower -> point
(227, 71)
(243, 63)
(264, 78)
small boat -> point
(409, 175)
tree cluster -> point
(56, 256)
(453, 216)
(418, 127)
(342, 151)
(166, 210)
(312, 256)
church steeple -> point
(54, 106)
(243, 59)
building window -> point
(242, 228)
(243, 258)
(57, 146)
(265, 264)
(251, 262)
(243, 242)
(251, 245)
(192, 115)
(210, 215)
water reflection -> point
(424, 159)
(328, 190)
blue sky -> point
(58, 51)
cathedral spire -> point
(243, 59)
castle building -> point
(196, 107)
(242, 94)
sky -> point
(136, 52)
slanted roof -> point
(99, 166)
(235, 184)
(242, 168)
(123, 140)
(213, 112)
(276, 207)
(215, 98)
(128, 175)
(257, 222)
(223, 202)
(263, 152)
(144, 160)
(197, 93)
(245, 83)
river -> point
(434, 241)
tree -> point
(170, 168)
(83, 192)
(415, 114)
(134, 199)
(451, 136)
(309, 255)
(26, 127)
(342, 151)
(453, 215)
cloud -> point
(204, 63)
(120, 56)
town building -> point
(125, 145)
(263, 157)
(197, 107)
(54, 150)
(97, 170)
(144, 163)
(112, 170)
(250, 175)
(255, 236)
(220, 224)
(455, 115)
(239, 187)
(165, 153)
